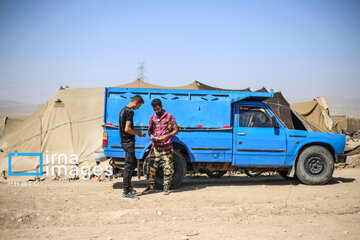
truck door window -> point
(254, 117)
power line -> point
(141, 71)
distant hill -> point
(14, 107)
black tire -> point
(315, 166)
(146, 165)
(253, 173)
(215, 174)
(284, 175)
(179, 171)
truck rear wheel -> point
(315, 165)
(179, 171)
(253, 173)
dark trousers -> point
(130, 163)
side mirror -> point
(274, 123)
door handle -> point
(241, 134)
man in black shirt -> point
(127, 135)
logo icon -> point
(39, 170)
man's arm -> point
(131, 131)
(174, 131)
(151, 128)
(170, 135)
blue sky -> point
(305, 48)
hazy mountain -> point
(15, 107)
(344, 106)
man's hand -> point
(165, 138)
(131, 131)
(141, 134)
(169, 136)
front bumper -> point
(340, 158)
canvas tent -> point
(72, 126)
(316, 114)
(340, 122)
(281, 108)
(353, 124)
(192, 86)
(2, 124)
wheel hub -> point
(315, 165)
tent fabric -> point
(2, 124)
(200, 86)
(263, 89)
(72, 127)
(310, 116)
(340, 122)
(140, 84)
(192, 86)
(346, 123)
(353, 124)
(316, 115)
(281, 108)
(305, 108)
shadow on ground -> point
(192, 183)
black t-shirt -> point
(126, 114)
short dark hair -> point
(156, 102)
(138, 98)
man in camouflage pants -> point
(162, 127)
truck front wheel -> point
(179, 171)
(315, 165)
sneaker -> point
(132, 190)
(129, 196)
(149, 189)
(166, 191)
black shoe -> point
(129, 196)
(149, 189)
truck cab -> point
(223, 131)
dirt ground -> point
(232, 207)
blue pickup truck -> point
(223, 131)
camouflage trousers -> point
(163, 159)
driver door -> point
(256, 141)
